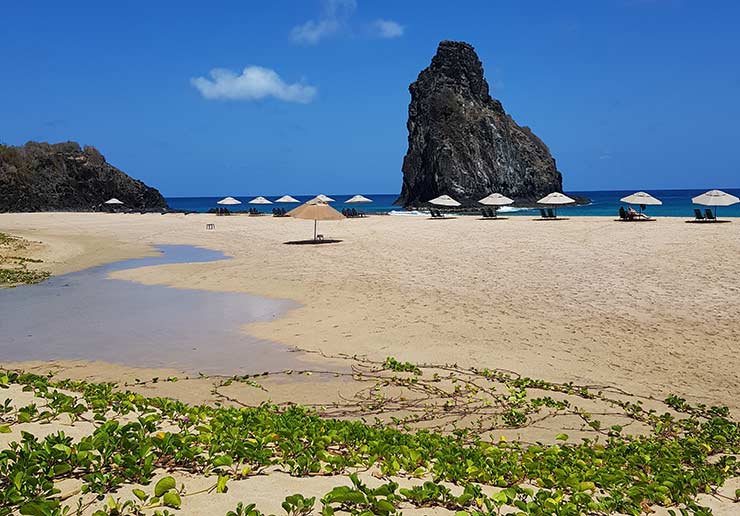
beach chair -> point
(623, 214)
(484, 213)
(551, 214)
(709, 215)
(492, 213)
(543, 213)
(698, 215)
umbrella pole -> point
(314, 230)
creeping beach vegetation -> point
(13, 268)
(687, 450)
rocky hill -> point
(462, 142)
(63, 176)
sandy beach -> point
(651, 309)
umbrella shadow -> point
(312, 242)
(723, 221)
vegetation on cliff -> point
(64, 176)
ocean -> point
(676, 203)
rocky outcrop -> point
(63, 176)
(462, 142)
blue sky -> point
(313, 95)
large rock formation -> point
(62, 176)
(462, 142)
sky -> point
(306, 96)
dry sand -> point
(651, 308)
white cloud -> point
(311, 32)
(254, 83)
(334, 16)
(387, 29)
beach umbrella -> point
(444, 200)
(260, 200)
(556, 199)
(287, 198)
(113, 201)
(315, 210)
(357, 199)
(496, 199)
(715, 199)
(642, 199)
(229, 201)
(322, 198)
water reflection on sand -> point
(86, 315)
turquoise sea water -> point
(676, 203)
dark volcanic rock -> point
(462, 142)
(62, 176)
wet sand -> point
(87, 315)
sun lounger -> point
(709, 215)
(623, 215)
(543, 213)
(698, 215)
(551, 214)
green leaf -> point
(61, 469)
(223, 460)
(562, 437)
(221, 484)
(34, 509)
(141, 495)
(172, 499)
(385, 505)
(164, 485)
(500, 498)
(5, 429)
(586, 486)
